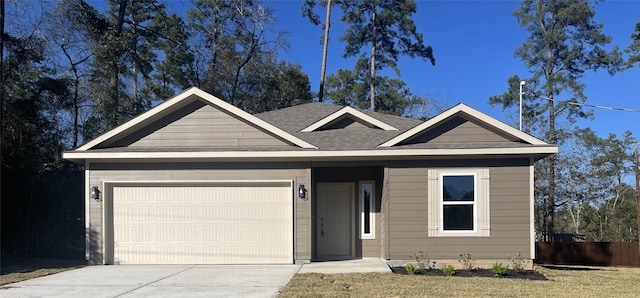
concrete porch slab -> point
(348, 266)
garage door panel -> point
(212, 224)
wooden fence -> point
(588, 253)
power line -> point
(588, 105)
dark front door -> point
(334, 220)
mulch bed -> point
(517, 274)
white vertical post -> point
(521, 84)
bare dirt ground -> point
(15, 269)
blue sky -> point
(473, 43)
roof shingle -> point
(296, 118)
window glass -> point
(366, 204)
(367, 210)
(458, 188)
(457, 217)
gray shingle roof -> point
(296, 118)
(330, 139)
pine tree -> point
(634, 48)
(386, 27)
(564, 43)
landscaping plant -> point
(411, 268)
(499, 269)
(517, 262)
(423, 261)
(448, 270)
(467, 261)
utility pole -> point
(520, 113)
(637, 171)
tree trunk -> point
(637, 171)
(372, 84)
(76, 111)
(325, 47)
(134, 66)
(115, 71)
(1, 72)
(550, 206)
(234, 100)
(76, 95)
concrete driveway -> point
(158, 281)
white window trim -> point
(372, 214)
(482, 218)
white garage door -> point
(231, 223)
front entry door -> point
(334, 224)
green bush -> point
(448, 270)
(499, 269)
(411, 268)
(467, 261)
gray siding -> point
(384, 215)
(345, 123)
(509, 203)
(199, 125)
(459, 130)
(101, 173)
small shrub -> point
(448, 270)
(423, 261)
(411, 268)
(499, 269)
(517, 262)
(467, 261)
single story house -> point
(196, 180)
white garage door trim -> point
(109, 249)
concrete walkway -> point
(158, 281)
(347, 266)
(179, 280)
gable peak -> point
(351, 114)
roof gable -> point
(198, 125)
(346, 117)
(186, 103)
(459, 129)
(460, 124)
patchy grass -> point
(15, 269)
(562, 281)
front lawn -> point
(563, 281)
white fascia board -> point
(472, 113)
(174, 102)
(237, 155)
(353, 112)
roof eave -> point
(536, 152)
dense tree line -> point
(74, 69)
(564, 43)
